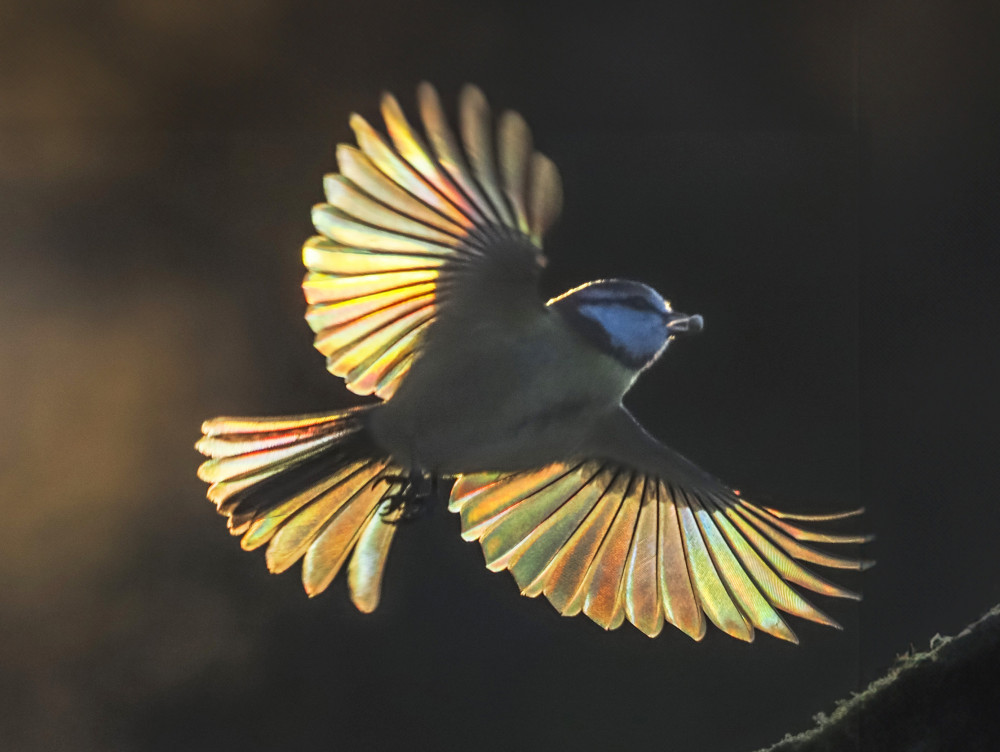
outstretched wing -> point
(648, 538)
(404, 217)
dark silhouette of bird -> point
(422, 290)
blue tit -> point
(422, 290)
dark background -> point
(818, 180)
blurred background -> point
(818, 180)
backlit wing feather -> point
(297, 486)
(403, 215)
(618, 543)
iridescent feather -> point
(301, 487)
(402, 213)
(617, 544)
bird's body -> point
(422, 290)
(453, 414)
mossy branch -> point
(947, 698)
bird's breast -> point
(499, 398)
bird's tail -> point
(310, 486)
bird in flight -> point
(422, 291)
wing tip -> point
(471, 95)
(651, 631)
(311, 590)
(812, 517)
(364, 605)
(426, 91)
(390, 108)
(782, 631)
(359, 125)
(849, 595)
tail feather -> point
(311, 487)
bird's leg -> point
(409, 496)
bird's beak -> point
(682, 323)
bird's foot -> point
(409, 496)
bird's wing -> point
(405, 216)
(637, 532)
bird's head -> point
(627, 320)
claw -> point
(408, 496)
